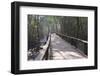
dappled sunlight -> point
(57, 37)
(62, 49)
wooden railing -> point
(78, 43)
(44, 52)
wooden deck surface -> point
(63, 50)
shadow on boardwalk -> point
(63, 50)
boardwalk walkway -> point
(63, 50)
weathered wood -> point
(78, 43)
(83, 41)
(44, 50)
(61, 49)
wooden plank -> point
(43, 51)
(62, 50)
(83, 41)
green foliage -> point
(39, 26)
(75, 27)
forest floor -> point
(64, 50)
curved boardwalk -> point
(63, 50)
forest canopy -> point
(39, 27)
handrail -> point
(78, 43)
(74, 38)
(43, 50)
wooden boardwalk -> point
(63, 50)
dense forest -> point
(39, 27)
